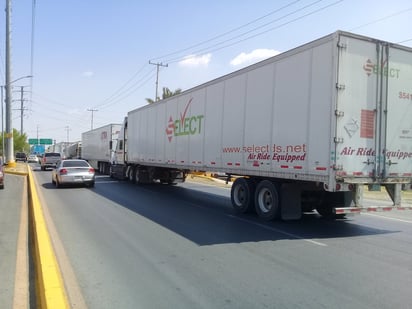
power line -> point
(404, 41)
(227, 32)
(120, 89)
(124, 91)
(381, 19)
(115, 96)
(130, 90)
(33, 23)
(211, 49)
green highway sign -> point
(40, 141)
(46, 141)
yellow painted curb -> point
(19, 169)
(50, 289)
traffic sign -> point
(46, 141)
(40, 141)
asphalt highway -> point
(158, 246)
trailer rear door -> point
(374, 110)
(398, 127)
(357, 138)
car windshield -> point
(75, 164)
(52, 154)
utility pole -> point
(21, 109)
(67, 128)
(92, 110)
(2, 127)
(9, 128)
(158, 64)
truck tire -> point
(242, 195)
(267, 202)
(325, 211)
(132, 174)
(330, 200)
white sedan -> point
(33, 159)
(73, 172)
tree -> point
(167, 93)
(19, 141)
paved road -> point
(12, 202)
(183, 247)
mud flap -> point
(291, 207)
(394, 191)
(357, 196)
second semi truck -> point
(98, 145)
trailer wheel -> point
(137, 176)
(330, 200)
(267, 200)
(241, 195)
(325, 211)
(132, 174)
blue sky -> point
(95, 54)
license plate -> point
(78, 178)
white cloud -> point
(88, 74)
(194, 60)
(254, 56)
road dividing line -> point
(49, 284)
(389, 218)
(280, 231)
(21, 277)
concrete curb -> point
(22, 171)
(50, 289)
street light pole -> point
(2, 126)
(9, 129)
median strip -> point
(50, 289)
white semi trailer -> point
(306, 129)
(98, 146)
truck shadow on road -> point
(207, 218)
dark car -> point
(21, 156)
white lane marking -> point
(280, 231)
(389, 218)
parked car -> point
(21, 157)
(33, 159)
(50, 159)
(1, 175)
(73, 171)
